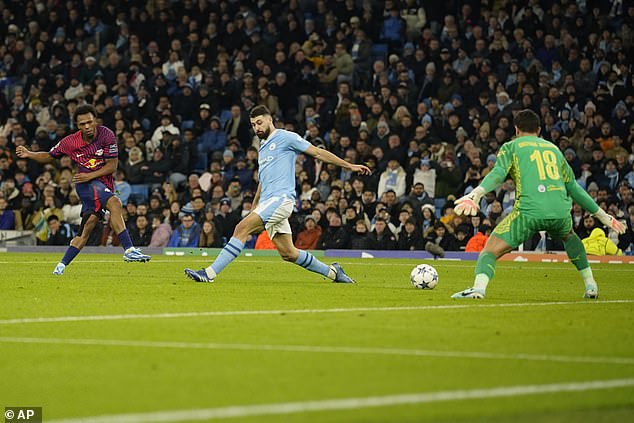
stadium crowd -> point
(424, 93)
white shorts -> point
(275, 212)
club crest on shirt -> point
(99, 152)
(541, 188)
(272, 146)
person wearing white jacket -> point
(166, 126)
(426, 175)
(393, 178)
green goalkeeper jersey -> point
(544, 182)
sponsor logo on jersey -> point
(91, 164)
(265, 160)
(99, 152)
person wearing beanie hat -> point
(275, 200)
(545, 187)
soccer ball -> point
(424, 276)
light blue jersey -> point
(277, 164)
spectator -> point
(263, 242)
(440, 237)
(343, 63)
(7, 216)
(238, 126)
(47, 209)
(425, 174)
(187, 234)
(410, 238)
(335, 236)
(165, 129)
(156, 171)
(208, 236)
(161, 233)
(393, 178)
(214, 139)
(359, 239)
(226, 219)
(141, 233)
(58, 233)
(382, 238)
(597, 244)
(71, 211)
(122, 186)
(309, 237)
(476, 243)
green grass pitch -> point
(270, 342)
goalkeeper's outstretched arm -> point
(469, 204)
(581, 197)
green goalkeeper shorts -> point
(516, 228)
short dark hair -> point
(84, 110)
(259, 110)
(527, 121)
(52, 218)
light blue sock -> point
(309, 262)
(231, 251)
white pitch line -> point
(465, 305)
(321, 349)
(351, 403)
(444, 262)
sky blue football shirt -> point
(277, 156)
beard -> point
(264, 134)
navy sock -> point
(124, 237)
(69, 255)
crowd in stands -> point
(422, 92)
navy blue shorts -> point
(93, 195)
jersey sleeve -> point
(578, 194)
(110, 146)
(58, 150)
(502, 166)
(299, 144)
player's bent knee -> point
(114, 203)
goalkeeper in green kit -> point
(545, 188)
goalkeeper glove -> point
(610, 221)
(469, 204)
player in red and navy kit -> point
(94, 150)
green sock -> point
(577, 255)
(576, 252)
(484, 271)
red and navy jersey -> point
(89, 156)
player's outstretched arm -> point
(39, 156)
(581, 197)
(328, 157)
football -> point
(424, 276)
